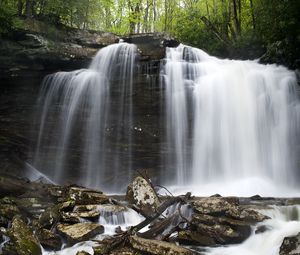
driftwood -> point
(156, 247)
(123, 239)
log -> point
(156, 247)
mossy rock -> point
(22, 239)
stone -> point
(214, 205)
(83, 196)
(194, 238)
(48, 239)
(22, 238)
(8, 210)
(248, 215)
(50, 217)
(143, 195)
(80, 231)
(32, 206)
(12, 186)
(290, 245)
(86, 211)
(69, 217)
(82, 253)
(156, 247)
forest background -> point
(225, 28)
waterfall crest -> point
(229, 120)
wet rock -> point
(111, 208)
(290, 245)
(195, 238)
(222, 229)
(261, 229)
(156, 247)
(143, 195)
(32, 206)
(82, 253)
(22, 240)
(80, 231)
(48, 239)
(214, 205)
(12, 186)
(83, 196)
(106, 249)
(8, 209)
(86, 211)
(248, 215)
(68, 217)
(125, 251)
(33, 41)
(152, 46)
(50, 217)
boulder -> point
(248, 215)
(82, 253)
(141, 193)
(80, 231)
(100, 250)
(190, 237)
(214, 205)
(156, 247)
(53, 214)
(50, 217)
(22, 240)
(48, 239)
(290, 245)
(8, 209)
(12, 186)
(83, 196)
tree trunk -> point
(236, 17)
(252, 14)
(28, 9)
(20, 8)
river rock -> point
(83, 196)
(50, 217)
(12, 186)
(8, 209)
(156, 247)
(290, 245)
(214, 205)
(141, 193)
(248, 215)
(80, 231)
(190, 237)
(48, 239)
(82, 253)
(22, 240)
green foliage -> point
(222, 27)
(6, 19)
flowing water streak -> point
(241, 118)
(285, 221)
(76, 114)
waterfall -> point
(229, 122)
(82, 126)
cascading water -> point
(283, 222)
(230, 122)
(81, 126)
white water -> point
(110, 220)
(76, 119)
(285, 222)
(232, 125)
